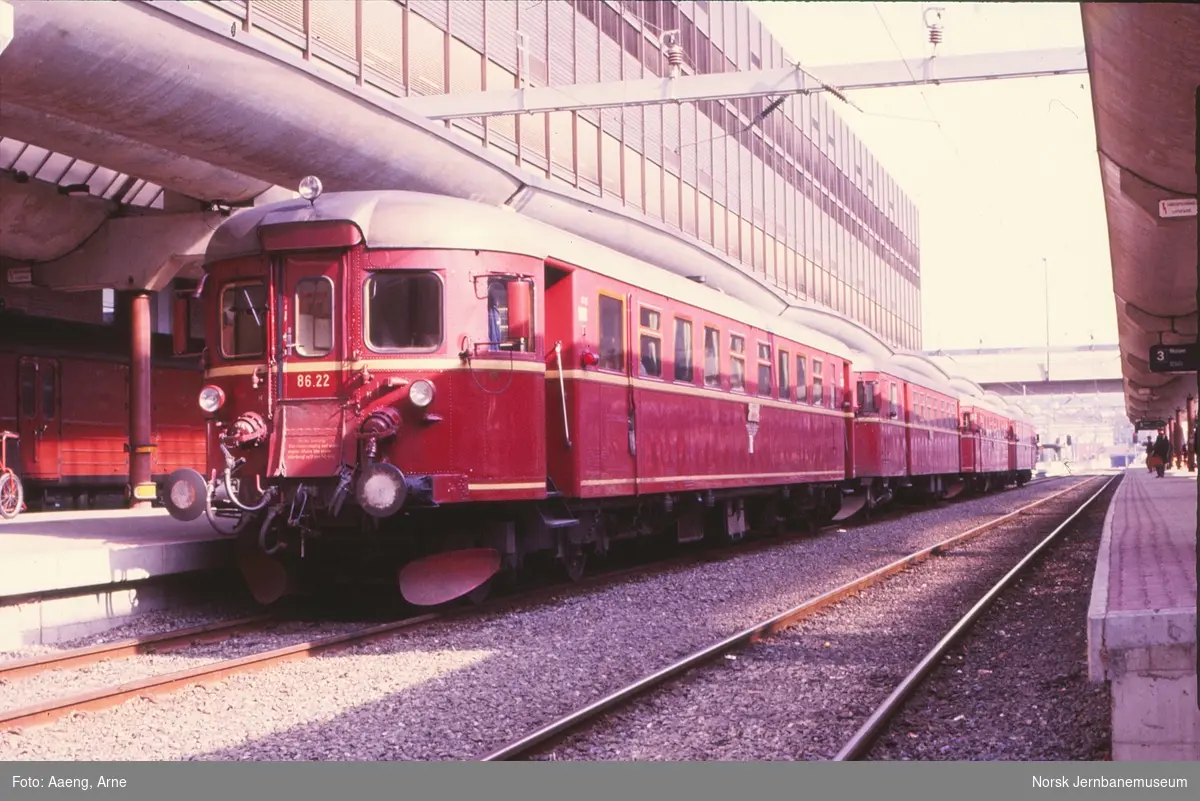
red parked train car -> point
(387, 389)
(67, 396)
(985, 444)
(1023, 450)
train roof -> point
(404, 219)
(400, 219)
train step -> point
(558, 522)
(556, 513)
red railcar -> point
(1022, 450)
(67, 397)
(985, 442)
(388, 389)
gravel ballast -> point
(460, 689)
(42, 687)
(802, 694)
(1016, 686)
(144, 625)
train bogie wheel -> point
(574, 562)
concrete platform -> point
(1142, 617)
(67, 574)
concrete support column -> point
(140, 443)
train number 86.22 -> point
(312, 380)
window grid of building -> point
(794, 197)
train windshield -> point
(404, 311)
(243, 319)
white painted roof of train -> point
(402, 219)
(399, 219)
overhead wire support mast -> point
(778, 82)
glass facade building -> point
(790, 195)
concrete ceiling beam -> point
(39, 223)
(144, 252)
(162, 166)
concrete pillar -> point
(140, 442)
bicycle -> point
(12, 494)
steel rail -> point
(154, 643)
(753, 634)
(862, 740)
(214, 671)
(114, 695)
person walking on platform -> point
(1162, 452)
(1149, 455)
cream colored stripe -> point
(686, 389)
(397, 365)
(604, 482)
(528, 485)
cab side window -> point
(612, 334)
(651, 343)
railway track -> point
(180, 640)
(540, 740)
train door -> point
(563, 391)
(910, 436)
(845, 406)
(616, 413)
(310, 350)
(40, 416)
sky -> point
(1004, 173)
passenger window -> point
(764, 369)
(737, 363)
(510, 314)
(404, 311)
(243, 320)
(28, 389)
(785, 384)
(651, 361)
(684, 367)
(49, 406)
(612, 334)
(712, 357)
(801, 379)
(892, 405)
(866, 397)
(314, 316)
(818, 383)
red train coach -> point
(985, 445)
(67, 396)
(377, 380)
(1023, 450)
(390, 390)
(905, 438)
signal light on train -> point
(310, 188)
(212, 398)
(589, 359)
(421, 393)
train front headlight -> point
(421, 393)
(212, 398)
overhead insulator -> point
(933, 21)
(674, 51)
